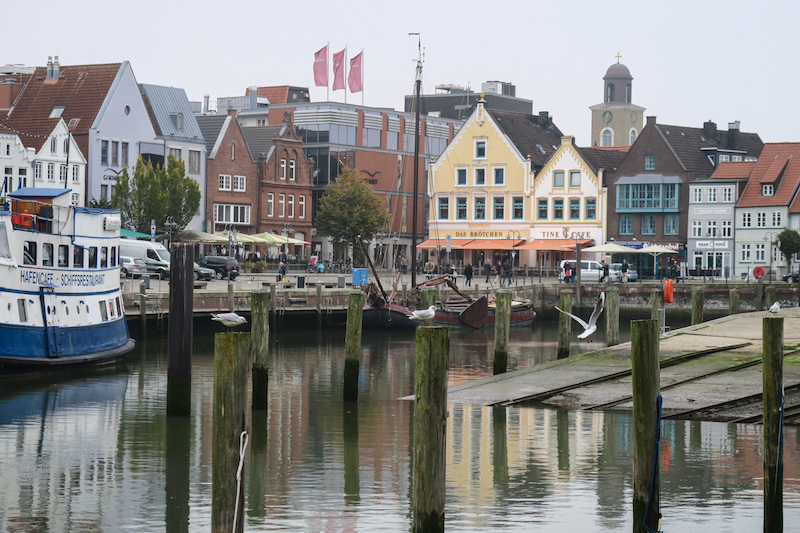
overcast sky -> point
(691, 60)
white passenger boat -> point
(60, 298)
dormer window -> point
(57, 112)
(767, 190)
(177, 121)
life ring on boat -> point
(668, 291)
(26, 219)
(758, 272)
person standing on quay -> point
(468, 275)
(487, 267)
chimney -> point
(232, 112)
(49, 68)
(710, 130)
(205, 104)
(253, 97)
(544, 117)
(651, 121)
(56, 68)
(733, 135)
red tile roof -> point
(779, 165)
(33, 132)
(278, 94)
(734, 170)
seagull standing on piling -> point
(774, 308)
(591, 327)
(229, 320)
(423, 314)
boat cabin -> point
(38, 209)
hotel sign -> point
(711, 245)
(712, 210)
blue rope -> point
(655, 465)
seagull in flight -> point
(591, 327)
(774, 308)
(423, 314)
(230, 320)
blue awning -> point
(38, 192)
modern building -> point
(458, 103)
(617, 121)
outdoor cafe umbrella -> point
(270, 239)
(612, 248)
(655, 250)
(241, 238)
(195, 236)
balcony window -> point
(480, 208)
(591, 209)
(444, 208)
(461, 209)
(517, 210)
(574, 209)
(499, 208)
(542, 209)
(558, 209)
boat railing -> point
(43, 217)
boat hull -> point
(520, 316)
(390, 316)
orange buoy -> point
(758, 272)
(668, 291)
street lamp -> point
(774, 236)
(513, 234)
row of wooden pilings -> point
(240, 355)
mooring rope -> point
(779, 476)
(655, 464)
(242, 447)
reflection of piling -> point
(564, 324)
(612, 317)
(273, 302)
(645, 380)
(772, 376)
(352, 345)
(697, 306)
(352, 477)
(143, 309)
(319, 305)
(502, 320)
(657, 309)
(499, 447)
(258, 472)
(771, 295)
(259, 329)
(427, 298)
(733, 301)
(177, 469)
(562, 439)
(231, 365)
(430, 425)
(180, 333)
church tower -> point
(617, 121)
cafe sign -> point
(484, 234)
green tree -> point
(350, 211)
(789, 245)
(102, 203)
(156, 193)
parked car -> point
(615, 273)
(591, 271)
(203, 273)
(792, 277)
(131, 267)
(221, 265)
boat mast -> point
(417, 84)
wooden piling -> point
(564, 324)
(142, 310)
(405, 294)
(180, 330)
(427, 298)
(259, 346)
(231, 366)
(352, 345)
(733, 301)
(657, 308)
(645, 380)
(759, 303)
(612, 317)
(698, 299)
(231, 306)
(502, 322)
(430, 429)
(772, 376)
(273, 303)
(771, 294)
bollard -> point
(733, 301)
(231, 306)
(180, 332)
(502, 322)
(771, 294)
(477, 291)
(657, 309)
(352, 345)
(231, 365)
(427, 298)
(772, 378)
(612, 317)
(697, 306)
(259, 346)
(430, 429)
(143, 309)
(646, 424)
(564, 324)
(319, 306)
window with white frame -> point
(727, 194)
(115, 153)
(461, 176)
(291, 206)
(194, 161)
(75, 173)
(775, 253)
(239, 183)
(727, 228)
(776, 219)
(746, 220)
(281, 205)
(232, 214)
(767, 189)
(697, 195)
(233, 151)
(761, 220)
(480, 149)
(301, 207)
(174, 152)
(480, 176)
(736, 158)
(76, 198)
(712, 194)
(37, 171)
(62, 172)
(712, 228)
(66, 145)
(224, 182)
(104, 152)
(53, 145)
(499, 175)
(51, 172)
(697, 228)
(282, 170)
(270, 204)
(444, 208)
(291, 169)
(724, 157)
(745, 252)
(760, 252)
(22, 172)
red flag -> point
(321, 67)
(338, 71)
(354, 78)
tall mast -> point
(417, 84)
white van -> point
(154, 254)
(591, 271)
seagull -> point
(230, 320)
(423, 314)
(774, 308)
(591, 327)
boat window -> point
(47, 254)
(63, 255)
(103, 257)
(119, 307)
(29, 253)
(113, 261)
(92, 257)
(103, 312)
(77, 257)
(23, 311)
(5, 249)
(111, 308)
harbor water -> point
(95, 451)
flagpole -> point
(327, 85)
(362, 77)
(345, 73)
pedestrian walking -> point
(605, 272)
(468, 275)
(487, 267)
(507, 271)
(624, 271)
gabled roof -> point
(210, 128)
(779, 165)
(688, 144)
(607, 158)
(33, 132)
(533, 135)
(164, 104)
(259, 139)
(734, 170)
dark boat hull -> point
(390, 316)
(521, 315)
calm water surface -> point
(96, 452)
